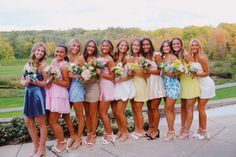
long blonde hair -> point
(75, 40)
(34, 48)
(201, 51)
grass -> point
(229, 92)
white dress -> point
(207, 85)
(124, 90)
(155, 84)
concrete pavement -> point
(221, 125)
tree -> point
(6, 51)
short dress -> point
(141, 89)
(172, 87)
(92, 92)
(107, 87)
(155, 84)
(190, 87)
(34, 99)
(57, 97)
(207, 85)
(76, 90)
(124, 90)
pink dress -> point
(57, 97)
(107, 87)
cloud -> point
(90, 14)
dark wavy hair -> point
(162, 46)
(151, 51)
(171, 44)
(85, 53)
(66, 50)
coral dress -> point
(155, 84)
(207, 85)
(107, 88)
(124, 90)
(190, 87)
(34, 99)
(57, 97)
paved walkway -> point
(221, 125)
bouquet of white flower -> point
(30, 72)
(88, 72)
(53, 72)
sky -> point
(101, 14)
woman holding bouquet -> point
(34, 99)
(76, 89)
(156, 89)
(172, 88)
(207, 86)
(57, 97)
(140, 84)
(188, 95)
(92, 94)
(124, 89)
(107, 87)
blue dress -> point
(172, 86)
(76, 90)
(34, 99)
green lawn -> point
(11, 102)
(11, 114)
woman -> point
(140, 84)
(207, 86)
(107, 87)
(34, 99)
(92, 94)
(124, 90)
(190, 88)
(57, 97)
(76, 90)
(172, 89)
(156, 89)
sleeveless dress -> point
(155, 84)
(76, 90)
(107, 88)
(92, 92)
(207, 85)
(34, 99)
(57, 97)
(172, 86)
(190, 87)
(124, 90)
(141, 89)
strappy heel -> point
(123, 137)
(88, 138)
(181, 131)
(109, 139)
(169, 136)
(76, 144)
(58, 150)
(91, 141)
(42, 154)
(154, 135)
(136, 136)
(185, 134)
(71, 141)
(103, 137)
(202, 137)
(148, 133)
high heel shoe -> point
(71, 141)
(76, 144)
(123, 137)
(91, 141)
(40, 154)
(136, 136)
(169, 136)
(185, 134)
(206, 135)
(181, 131)
(88, 138)
(148, 133)
(109, 139)
(62, 149)
(154, 135)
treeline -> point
(218, 42)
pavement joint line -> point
(19, 150)
(104, 149)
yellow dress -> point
(190, 87)
(141, 89)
